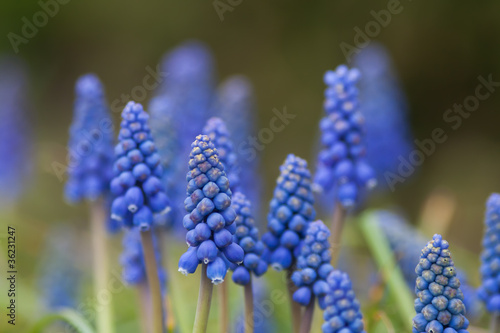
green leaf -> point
(69, 316)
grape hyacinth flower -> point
(341, 162)
(14, 132)
(313, 265)
(247, 237)
(342, 310)
(384, 107)
(210, 216)
(179, 110)
(140, 196)
(439, 304)
(210, 224)
(235, 104)
(91, 142)
(489, 292)
(137, 186)
(217, 132)
(291, 210)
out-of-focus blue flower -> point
(60, 277)
(14, 136)
(91, 142)
(342, 310)
(439, 304)
(140, 198)
(217, 132)
(291, 210)
(384, 107)
(235, 104)
(210, 218)
(247, 236)
(341, 162)
(313, 265)
(179, 110)
(489, 292)
(132, 260)
(263, 322)
(406, 243)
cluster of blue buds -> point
(342, 310)
(91, 142)
(210, 218)
(384, 107)
(313, 265)
(140, 197)
(439, 304)
(341, 162)
(489, 292)
(132, 260)
(291, 210)
(247, 236)
(217, 132)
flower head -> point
(217, 131)
(132, 260)
(210, 218)
(178, 111)
(291, 210)
(342, 311)
(247, 236)
(439, 305)
(341, 162)
(489, 292)
(14, 132)
(91, 142)
(140, 197)
(313, 264)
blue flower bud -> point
(241, 275)
(207, 251)
(143, 218)
(216, 271)
(302, 296)
(234, 253)
(189, 261)
(134, 199)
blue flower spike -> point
(139, 194)
(439, 304)
(489, 292)
(90, 144)
(210, 218)
(313, 265)
(341, 162)
(217, 131)
(246, 236)
(341, 308)
(291, 211)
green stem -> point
(98, 218)
(204, 300)
(70, 316)
(294, 307)
(249, 317)
(145, 307)
(339, 216)
(387, 264)
(495, 323)
(224, 308)
(153, 281)
(307, 319)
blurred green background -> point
(439, 50)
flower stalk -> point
(153, 281)
(295, 309)
(249, 317)
(204, 301)
(338, 221)
(224, 308)
(307, 318)
(495, 323)
(104, 318)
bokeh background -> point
(438, 49)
